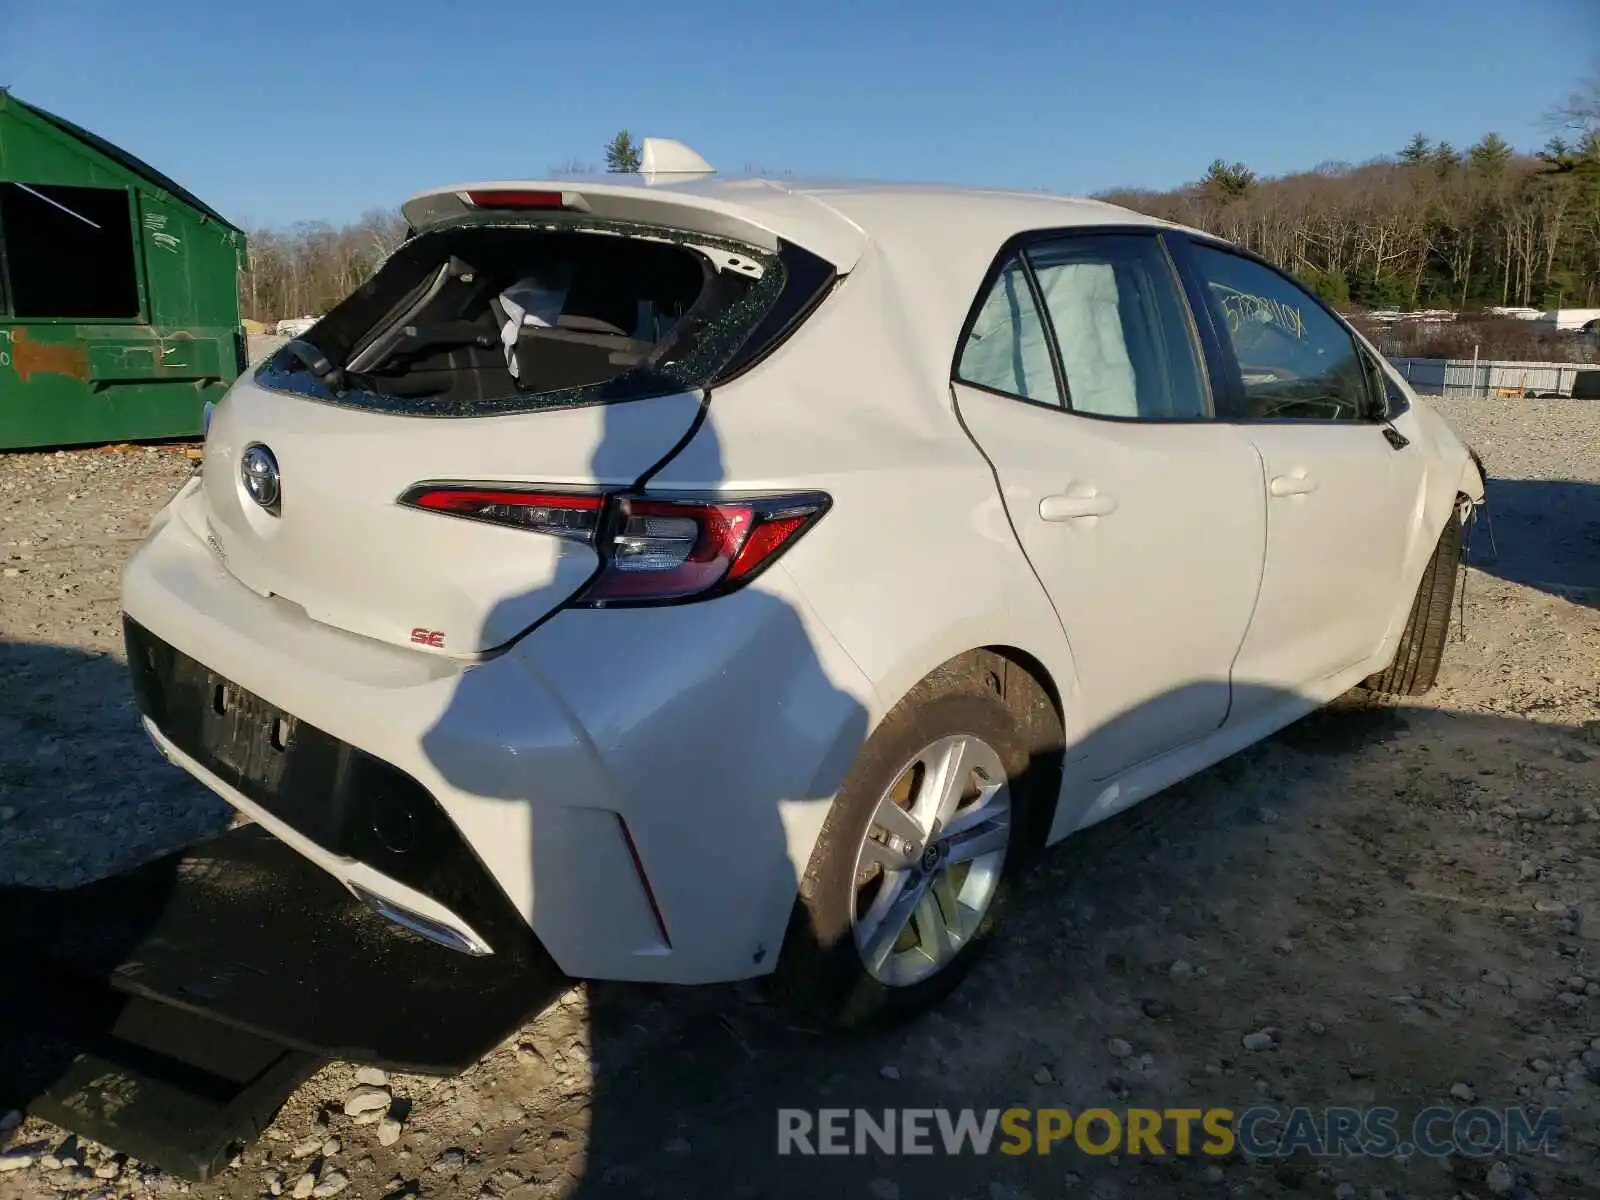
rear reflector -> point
(653, 549)
(644, 882)
(516, 199)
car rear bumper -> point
(639, 788)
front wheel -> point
(1421, 650)
(934, 823)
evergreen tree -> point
(623, 156)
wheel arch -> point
(818, 968)
(1030, 690)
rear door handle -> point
(1292, 485)
(1071, 508)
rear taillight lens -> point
(663, 549)
(653, 549)
(571, 515)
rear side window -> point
(1094, 323)
(1297, 361)
(1121, 327)
(69, 252)
(1007, 349)
(491, 317)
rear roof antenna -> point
(663, 157)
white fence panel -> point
(1464, 377)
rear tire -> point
(823, 975)
(1421, 649)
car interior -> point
(516, 310)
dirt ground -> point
(1406, 900)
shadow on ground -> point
(46, 1021)
(1543, 534)
(1321, 875)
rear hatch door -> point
(553, 350)
(341, 546)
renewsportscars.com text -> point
(1261, 1131)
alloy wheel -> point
(930, 862)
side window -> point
(69, 251)
(1121, 327)
(1298, 362)
(1007, 349)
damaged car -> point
(703, 579)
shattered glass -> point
(713, 342)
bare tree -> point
(1431, 226)
(572, 168)
(1580, 111)
(306, 269)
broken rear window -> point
(489, 316)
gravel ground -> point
(83, 793)
(1374, 907)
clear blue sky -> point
(278, 110)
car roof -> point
(936, 242)
(932, 208)
(835, 219)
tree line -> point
(1430, 226)
(307, 268)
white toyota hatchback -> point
(712, 578)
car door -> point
(1081, 380)
(1342, 488)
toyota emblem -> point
(258, 471)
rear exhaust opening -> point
(513, 311)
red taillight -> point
(515, 198)
(768, 538)
(663, 550)
(571, 515)
(659, 550)
(653, 549)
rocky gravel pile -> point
(1394, 907)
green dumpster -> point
(119, 303)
